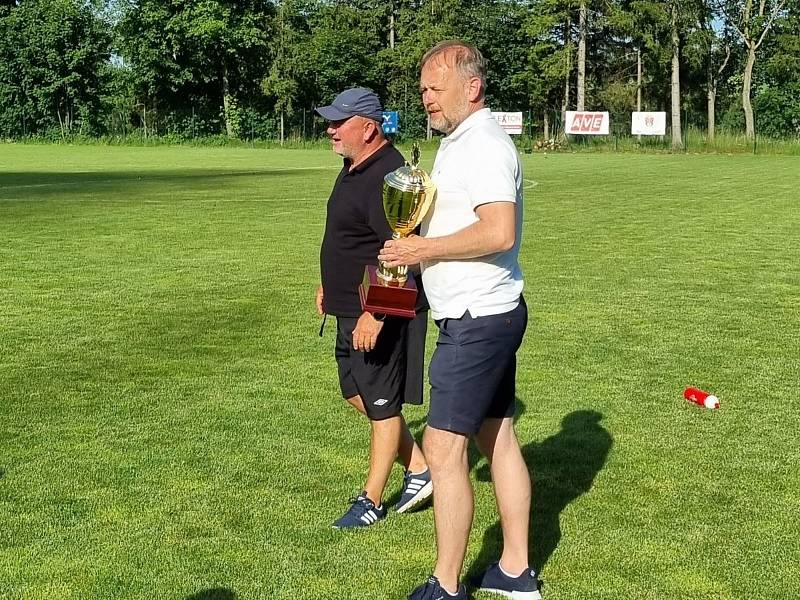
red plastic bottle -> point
(698, 396)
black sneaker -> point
(417, 490)
(431, 590)
(362, 513)
(524, 587)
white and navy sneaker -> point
(496, 581)
(432, 590)
(417, 490)
(362, 513)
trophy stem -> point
(394, 276)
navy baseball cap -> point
(355, 101)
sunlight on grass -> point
(171, 427)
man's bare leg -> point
(447, 457)
(384, 442)
(405, 449)
(410, 454)
(512, 489)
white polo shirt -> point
(476, 164)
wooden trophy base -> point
(378, 297)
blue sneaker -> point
(417, 490)
(362, 513)
(495, 581)
(431, 590)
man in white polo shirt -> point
(469, 255)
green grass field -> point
(170, 424)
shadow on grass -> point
(214, 594)
(563, 468)
(55, 178)
(31, 185)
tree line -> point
(256, 68)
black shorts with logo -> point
(389, 375)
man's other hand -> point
(365, 335)
(319, 300)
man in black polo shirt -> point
(379, 357)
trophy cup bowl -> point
(408, 194)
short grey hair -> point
(467, 58)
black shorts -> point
(473, 369)
(389, 375)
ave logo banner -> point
(587, 123)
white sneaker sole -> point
(423, 494)
(514, 595)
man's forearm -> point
(493, 232)
(474, 241)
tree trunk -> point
(568, 70)
(546, 121)
(747, 106)
(713, 79)
(582, 56)
(282, 138)
(712, 101)
(711, 85)
(226, 103)
(639, 80)
(639, 85)
(677, 141)
(60, 121)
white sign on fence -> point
(587, 123)
(511, 122)
(648, 123)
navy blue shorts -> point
(473, 369)
(389, 375)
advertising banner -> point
(390, 121)
(511, 122)
(587, 123)
(648, 123)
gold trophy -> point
(408, 193)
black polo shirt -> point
(355, 230)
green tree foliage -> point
(257, 68)
(203, 58)
(777, 97)
(289, 65)
(550, 55)
(419, 24)
(53, 68)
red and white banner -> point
(511, 122)
(587, 123)
(648, 123)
